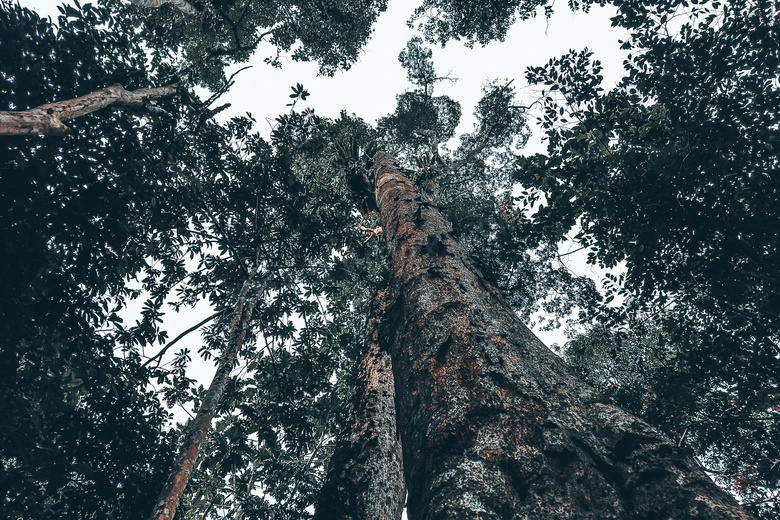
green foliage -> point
(476, 22)
(75, 209)
(417, 111)
(350, 151)
(229, 32)
(673, 175)
(419, 114)
(279, 205)
(417, 60)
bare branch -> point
(195, 327)
(48, 119)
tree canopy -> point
(672, 175)
(668, 179)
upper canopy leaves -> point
(230, 31)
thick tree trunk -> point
(493, 424)
(48, 119)
(168, 501)
(365, 477)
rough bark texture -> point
(493, 424)
(365, 477)
(48, 119)
(168, 501)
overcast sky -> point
(369, 88)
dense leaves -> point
(73, 209)
(672, 176)
(477, 22)
(230, 31)
(280, 206)
(480, 22)
(128, 205)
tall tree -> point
(223, 195)
(672, 173)
(493, 424)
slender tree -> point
(365, 477)
(165, 509)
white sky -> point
(369, 88)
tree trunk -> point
(365, 477)
(493, 424)
(48, 119)
(179, 475)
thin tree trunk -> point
(493, 424)
(180, 473)
(365, 476)
(48, 119)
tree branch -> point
(180, 336)
(48, 119)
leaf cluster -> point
(75, 211)
(672, 177)
(230, 31)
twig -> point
(683, 437)
(198, 325)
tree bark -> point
(493, 424)
(180, 473)
(365, 476)
(48, 119)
